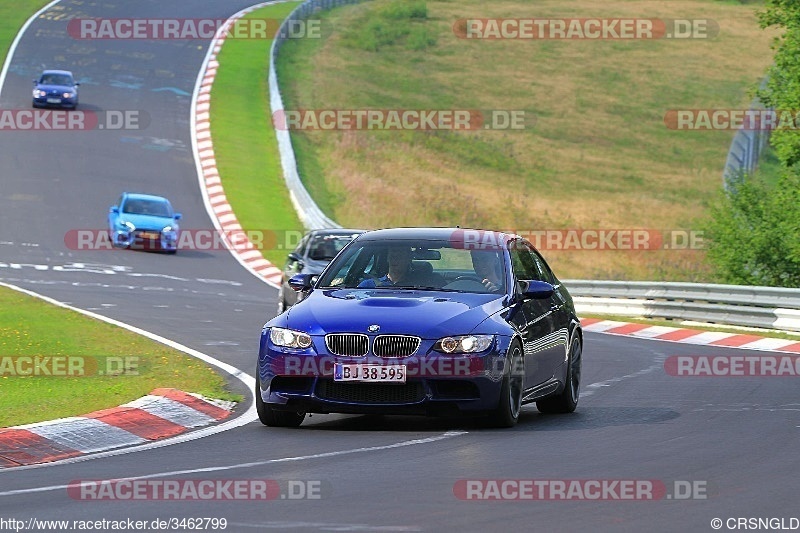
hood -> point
(427, 314)
(148, 222)
(57, 88)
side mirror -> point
(35, 82)
(538, 290)
(77, 84)
(114, 209)
(302, 282)
(177, 216)
(294, 256)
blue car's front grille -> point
(350, 344)
(370, 392)
(395, 345)
(357, 345)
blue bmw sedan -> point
(428, 321)
(145, 222)
(55, 88)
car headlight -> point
(128, 225)
(167, 229)
(464, 344)
(289, 338)
(37, 93)
(68, 95)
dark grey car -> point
(312, 255)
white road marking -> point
(324, 455)
(589, 390)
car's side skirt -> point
(548, 387)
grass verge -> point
(111, 365)
(244, 138)
(12, 16)
(599, 156)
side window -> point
(522, 262)
(528, 264)
(544, 271)
(301, 246)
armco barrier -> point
(763, 307)
(746, 149)
(309, 212)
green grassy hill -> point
(598, 157)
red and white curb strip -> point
(691, 336)
(219, 209)
(161, 414)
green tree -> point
(754, 235)
(782, 91)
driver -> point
(400, 271)
(487, 265)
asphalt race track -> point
(735, 439)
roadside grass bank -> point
(55, 363)
(599, 155)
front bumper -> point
(436, 384)
(57, 102)
(146, 240)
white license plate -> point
(54, 100)
(369, 373)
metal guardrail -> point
(746, 148)
(309, 212)
(763, 307)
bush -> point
(754, 236)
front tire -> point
(506, 414)
(270, 416)
(567, 400)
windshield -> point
(56, 79)
(412, 264)
(325, 247)
(154, 208)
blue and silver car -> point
(429, 321)
(145, 222)
(55, 88)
